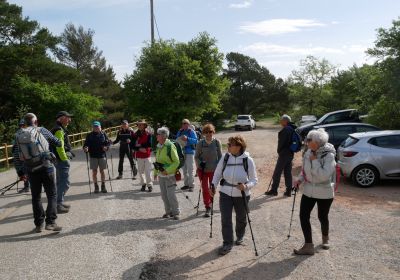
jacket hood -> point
(292, 125)
(327, 148)
(244, 155)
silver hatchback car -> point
(370, 156)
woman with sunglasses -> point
(235, 172)
(208, 153)
(318, 177)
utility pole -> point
(152, 21)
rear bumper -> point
(346, 167)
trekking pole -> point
(201, 183)
(269, 186)
(8, 187)
(108, 170)
(88, 173)
(212, 214)
(248, 219)
(291, 218)
(112, 164)
(187, 197)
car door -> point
(386, 152)
(339, 134)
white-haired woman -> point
(167, 162)
(317, 177)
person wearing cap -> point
(97, 144)
(42, 176)
(141, 147)
(124, 138)
(188, 138)
(285, 157)
(20, 169)
(63, 155)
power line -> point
(158, 32)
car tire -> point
(365, 176)
(250, 128)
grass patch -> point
(3, 169)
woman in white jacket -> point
(318, 176)
(235, 172)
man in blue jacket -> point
(188, 137)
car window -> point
(390, 142)
(243, 117)
(341, 132)
(350, 141)
(337, 117)
(364, 128)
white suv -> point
(246, 122)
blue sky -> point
(278, 33)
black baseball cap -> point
(63, 113)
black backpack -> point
(245, 164)
(181, 156)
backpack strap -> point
(245, 164)
(169, 151)
(226, 157)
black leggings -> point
(306, 206)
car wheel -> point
(365, 176)
(250, 128)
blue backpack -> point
(295, 143)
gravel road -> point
(119, 235)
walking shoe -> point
(307, 249)
(225, 249)
(53, 227)
(176, 217)
(66, 205)
(61, 209)
(103, 187)
(96, 188)
(143, 188)
(208, 212)
(166, 216)
(271, 192)
(118, 177)
(184, 188)
(239, 241)
(288, 193)
(38, 229)
(150, 188)
(24, 190)
(325, 242)
(191, 189)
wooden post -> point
(6, 153)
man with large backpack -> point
(188, 137)
(63, 155)
(286, 150)
(36, 158)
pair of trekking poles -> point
(108, 170)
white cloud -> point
(243, 5)
(279, 26)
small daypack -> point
(181, 156)
(33, 147)
(245, 164)
(295, 144)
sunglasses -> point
(209, 132)
(231, 145)
(308, 140)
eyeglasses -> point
(308, 140)
(209, 132)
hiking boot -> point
(325, 242)
(288, 193)
(39, 229)
(307, 249)
(103, 188)
(96, 188)
(143, 188)
(225, 249)
(150, 188)
(272, 193)
(24, 190)
(119, 177)
(66, 205)
(53, 227)
(239, 241)
(208, 212)
(176, 217)
(184, 188)
(166, 216)
(61, 209)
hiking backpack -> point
(295, 143)
(245, 164)
(181, 156)
(33, 147)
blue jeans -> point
(62, 176)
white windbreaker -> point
(235, 173)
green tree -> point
(253, 89)
(174, 80)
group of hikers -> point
(42, 158)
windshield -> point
(350, 141)
(321, 119)
(243, 117)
